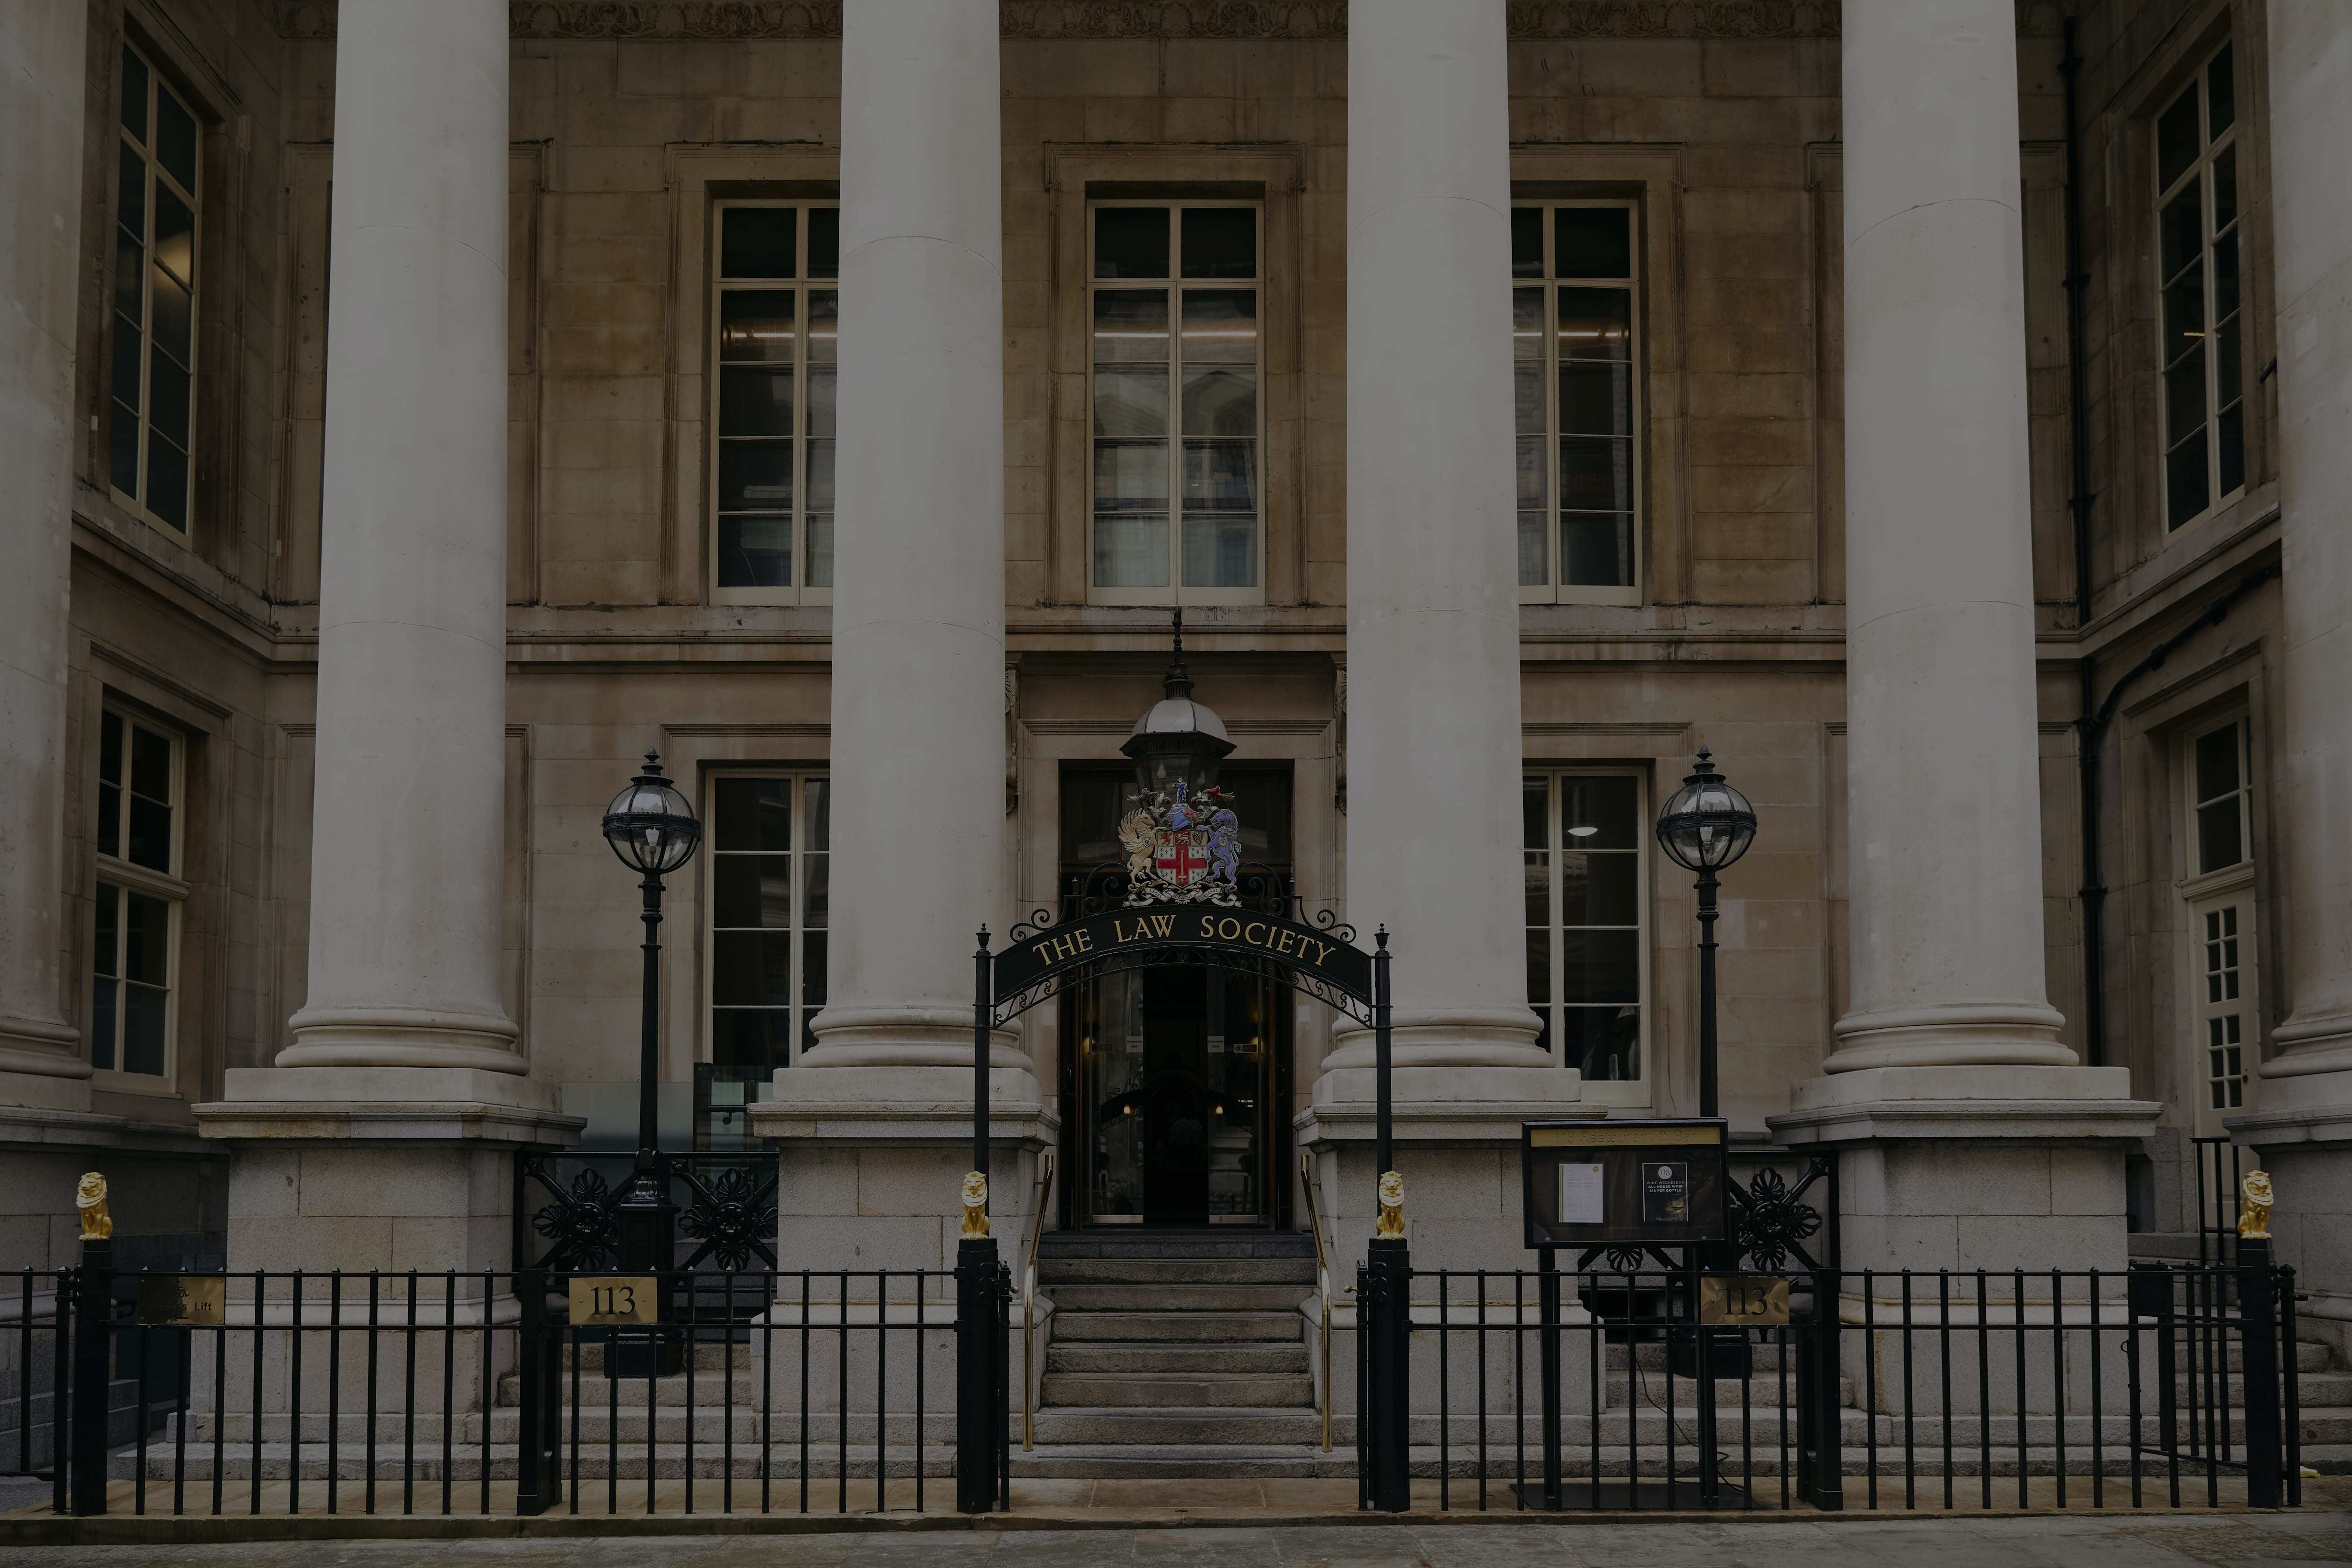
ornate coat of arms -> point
(1181, 850)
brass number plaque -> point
(624, 1299)
(182, 1301)
(1743, 1301)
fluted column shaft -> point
(407, 835)
(1433, 763)
(917, 745)
(1944, 815)
(41, 131)
(2311, 127)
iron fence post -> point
(1547, 1314)
(534, 1462)
(2258, 1333)
(93, 1303)
(1389, 1268)
(1821, 1458)
(977, 1426)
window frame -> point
(170, 888)
(153, 172)
(1553, 591)
(1175, 593)
(2199, 173)
(797, 778)
(1640, 1089)
(2204, 893)
(800, 285)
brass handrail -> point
(1322, 1287)
(1029, 1301)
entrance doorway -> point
(1178, 1074)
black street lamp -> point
(1706, 826)
(1178, 741)
(651, 827)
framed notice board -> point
(1589, 1184)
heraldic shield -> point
(1182, 850)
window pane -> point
(1130, 476)
(757, 242)
(151, 836)
(1600, 890)
(2218, 837)
(1130, 242)
(753, 402)
(2217, 762)
(1601, 966)
(1596, 474)
(174, 317)
(2185, 480)
(1592, 242)
(175, 236)
(1526, 353)
(1219, 551)
(146, 939)
(1538, 959)
(1220, 242)
(824, 242)
(820, 550)
(2180, 231)
(1527, 242)
(2225, 188)
(1132, 550)
(1605, 1042)
(825, 328)
(2225, 278)
(755, 550)
(1220, 400)
(751, 1039)
(2231, 436)
(820, 476)
(1596, 323)
(821, 379)
(1131, 327)
(1220, 475)
(1533, 475)
(1534, 570)
(167, 401)
(2221, 94)
(754, 475)
(1534, 801)
(176, 139)
(151, 765)
(1131, 400)
(1596, 399)
(750, 969)
(131, 194)
(1538, 887)
(106, 946)
(130, 353)
(1220, 326)
(1599, 812)
(816, 799)
(134, 95)
(818, 894)
(103, 994)
(753, 890)
(755, 324)
(109, 790)
(812, 946)
(2184, 395)
(130, 260)
(1597, 551)
(2176, 139)
(123, 435)
(167, 481)
(750, 814)
(144, 1010)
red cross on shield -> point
(1182, 855)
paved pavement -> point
(2309, 1537)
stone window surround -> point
(1270, 174)
(698, 176)
(1651, 175)
(113, 679)
(223, 127)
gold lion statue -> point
(2254, 1207)
(89, 1198)
(1391, 1226)
(975, 1206)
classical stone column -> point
(1949, 1054)
(917, 745)
(403, 1074)
(2301, 1118)
(41, 134)
(1433, 749)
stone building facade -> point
(415, 414)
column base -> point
(2308, 1154)
(41, 1064)
(1997, 1166)
(871, 1159)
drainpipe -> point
(2093, 893)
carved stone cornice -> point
(1306, 19)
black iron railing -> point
(564, 1203)
(1875, 1389)
(476, 1391)
(2220, 1166)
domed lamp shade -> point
(1707, 824)
(1179, 740)
(651, 826)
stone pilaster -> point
(2302, 1114)
(1949, 1086)
(878, 1114)
(1434, 748)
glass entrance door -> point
(1175, 1074)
